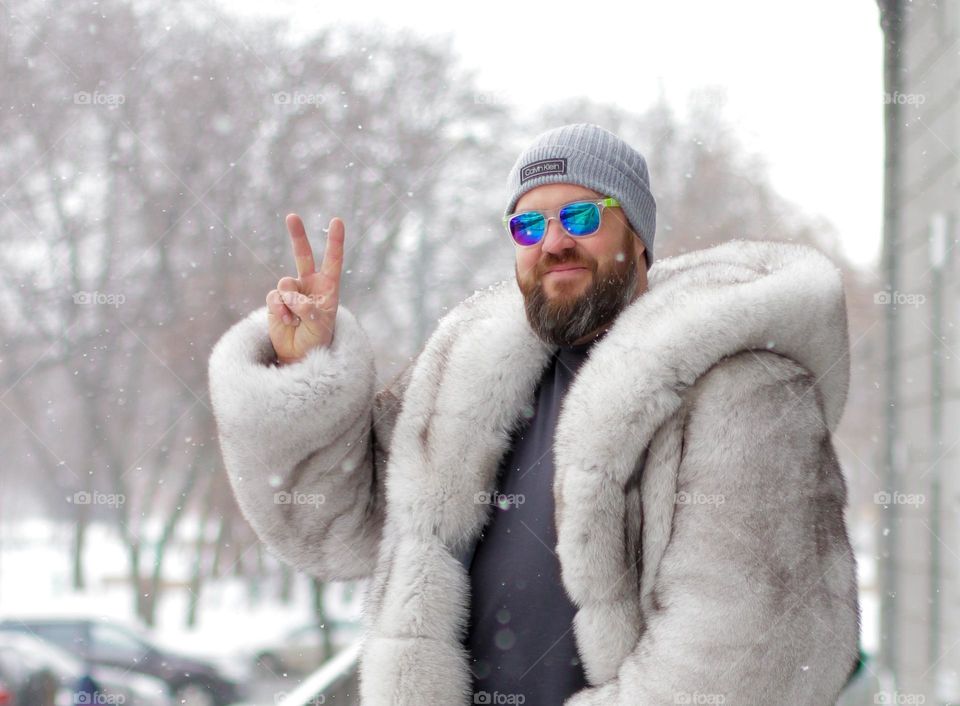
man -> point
(608, 483)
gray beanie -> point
(589, 156)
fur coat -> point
(721, 573)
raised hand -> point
(302, 310)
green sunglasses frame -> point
(548, 213)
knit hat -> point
(595, 158)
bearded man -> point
(606, 482)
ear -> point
(636, 243)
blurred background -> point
(151, 150)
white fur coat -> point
(721, 573)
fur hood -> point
(723, 568)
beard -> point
(566, 317)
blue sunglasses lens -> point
(527, 228)
(580, 218)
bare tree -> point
(150, 155)
(162, 147)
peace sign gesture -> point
(302, 310)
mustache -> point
(556, 262)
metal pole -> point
(891, 21)
(938, 249)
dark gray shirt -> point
(521, 637)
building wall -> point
(930, 155)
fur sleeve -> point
(298, 446)
(754, 600)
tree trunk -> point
(319, 610)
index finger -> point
(302, 252)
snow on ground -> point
(35, 572)
(35, 580)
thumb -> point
(288, 289)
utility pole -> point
(938, 252)
(891, 21)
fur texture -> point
(723, 569)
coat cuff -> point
(287, 412)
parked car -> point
(27, 679)
(38, 673)
(6, 691)
(111, 646)
(301, 650)
(134, 688)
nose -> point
(556, 239)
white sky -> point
(804, 81)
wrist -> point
(281, 362)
